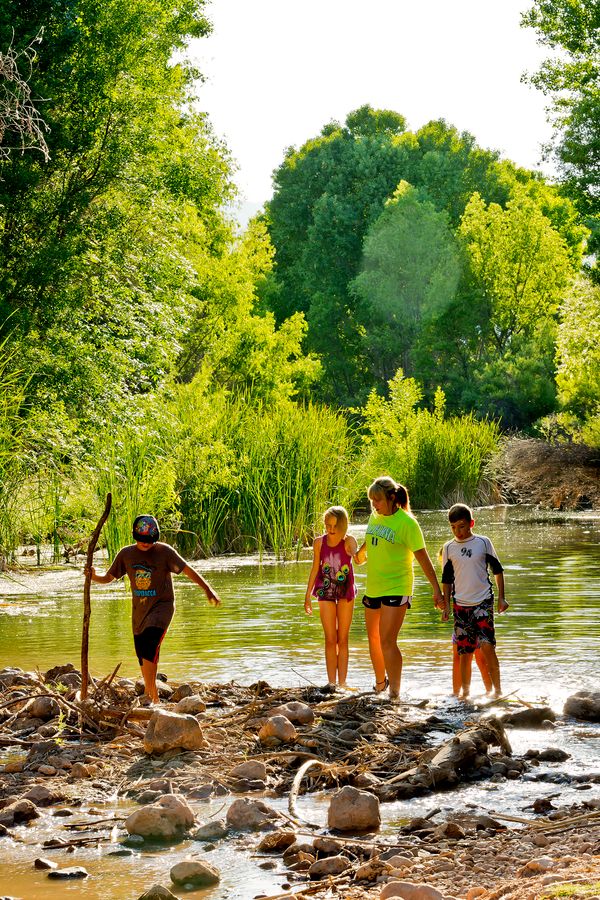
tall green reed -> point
(13, 451)
(441, 460)
(255, 477)
(135, 464)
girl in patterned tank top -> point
(331, 581)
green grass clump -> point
(441, 460)
(256, 478)
(13, 452)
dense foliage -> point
(571, 78)
(426, 290)
(426, 252)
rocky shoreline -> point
(251, 745)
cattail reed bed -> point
(223, 475)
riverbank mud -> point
(128, 780)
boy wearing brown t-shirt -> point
(149, 566)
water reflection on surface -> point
(547, 644)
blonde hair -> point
(384, 486)
(339, 513)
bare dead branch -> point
(21, 125)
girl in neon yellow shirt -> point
(394, 538)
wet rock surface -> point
(584, 705)
(71, 774)
(172, 731)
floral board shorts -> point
(474, 625)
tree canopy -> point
(571, 79)
(419, 250)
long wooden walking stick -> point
(87, 607)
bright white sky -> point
(277, 71)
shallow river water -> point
(547, 644)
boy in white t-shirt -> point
(465, 561)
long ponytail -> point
(384, 486)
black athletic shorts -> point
(147, 644)
(378, 602)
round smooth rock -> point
(278, 727)
(67, 874)
(196, 872)
(331, 865)
(210, 831)
(297, 712)
(253, 770)
(353, 810)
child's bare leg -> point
(149, 670)
(327, 611)
(466, 662)
(489, 654)
(372, 617)
(345, 609)
(456, 681)
(483, 670)
(390, 624)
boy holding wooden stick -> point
(150, 565)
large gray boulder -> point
(166, 820)
(353, 810)
(169, 731)
(584, 705)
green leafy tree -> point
(328, 195)
(244, 351)
(95, 270)
(449, 166)
(578, 350)
(572, 80)
(520, 263)
(410, 274)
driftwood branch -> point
(309, 764)
(87, 607)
